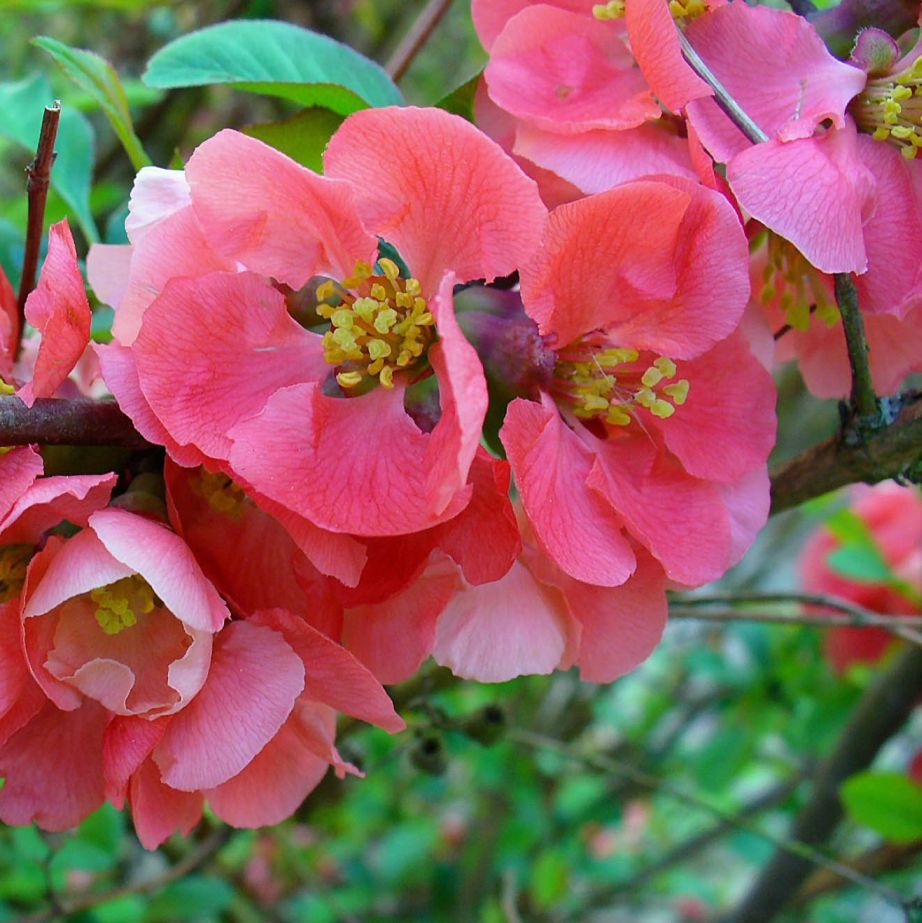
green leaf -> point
(460, 101)
(860, 563)
(275, 59)
(887, 802)
(22, 104)
(548, 879)
(303, 137)
(96, 76)
(190, 898)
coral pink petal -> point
(594, 161)
(120, 374)
(620, 626)
(333, 675)
(445, 196)
(747, 503)
(159, 811)
(18, 469)
(127, 744)
(393, 638)
(212, 350)
(490, 16)
(563, 72)
(53, 768)
(58, 309)
(655, 43)
(254, 681)
(20, 697)
(274, 216)
(316, 725)
(166, 563)
(660, 265)
(497, 631)
(680, 519)
(378, 455)
(157, 194)
(726, 384)
(9, 324)
(814, 192)
(107, 270)
(273, 785)
(776, 66)
(574, 525)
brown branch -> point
(882, 711)
(38, 175)
(411, 44)
(52, 421)
(834, 463)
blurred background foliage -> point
(658, 798)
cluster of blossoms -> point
(374, 455)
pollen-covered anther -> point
(890, 108)
(596, 381)
(14, 559)
(222, 493)
(608, 11)
(120, 604)
(380, 325)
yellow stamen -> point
(222, 494)
(120, 603)
(14, 559)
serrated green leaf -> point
(22, 104)
(303, 137)
(887, 802)
(96, 76)
(275, 59)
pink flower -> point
(315, 422)
(892, 518)
(655, 422)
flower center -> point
(798, 286)
(14, 559)
(380, 325)
(683, 11)
(119, 604)
(222, 494)
(890, 108)
(598, 381)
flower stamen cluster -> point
(890, 108)
(789, 277)
(14, 559)
(119, 604)
(222, 493)
(381, 324)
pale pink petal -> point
(814, 192)
(107, 269)
(381, 485)
(212, 350)
(58, 309)
(445, 196)
(127, 744)
(53, 768)
(159, 811)
(660, 265)
(254, 680)
(497, 631)
(564, 72)
(19, 467)
(575, 526)
(490, 16)
(274, 216)
(316, 726)
(332, 674)
(594, 161)
(155, 196)
(393, 638)
(747, 503)
(655, 44)
(165, 562)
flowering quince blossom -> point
(892, 516)
(653, 421)
(230, 376)
(561, 93)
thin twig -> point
(863, 398)
(38, 175)
(411, 44)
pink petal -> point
(445, 195)
(18, 469)
(58, 309)
(490, 16)
(203, 371)
(332, 674)
(156, 195)
(813, 192)
(53, 768)
(747, 503)
(393, 638)
(576, 528)
(128, 743)
(159, 811)
(497, 631)
(254, 680)
(655, 44)
(316, 726)
(274, 216)
(165, 562)
(107, 269)
(20, 698)
(564, 72)
(9, 324)
(659, 265)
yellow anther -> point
(325, 290)
(361, 272)
(403, 300)
(606, 11)
(909, 152)
(343, 318)
(652, 377)
(14, 560)
(349, 379)
(617, 416)
(412, 287)
(120, 603)
(881, 133)
(378, 349)
(903, 132)
(405, 358)
(387, 377)
(645, 397)
(385, 320)
(344, 338)
(389, 268)
(678, 391)
(666, 366)
(594, 402)
(378, 292)
(375, 367)
(426, 319)
(419, 305)
(662, 409)
(902, 92)
(6, 388)
(222, 494)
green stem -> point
(863, 398)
